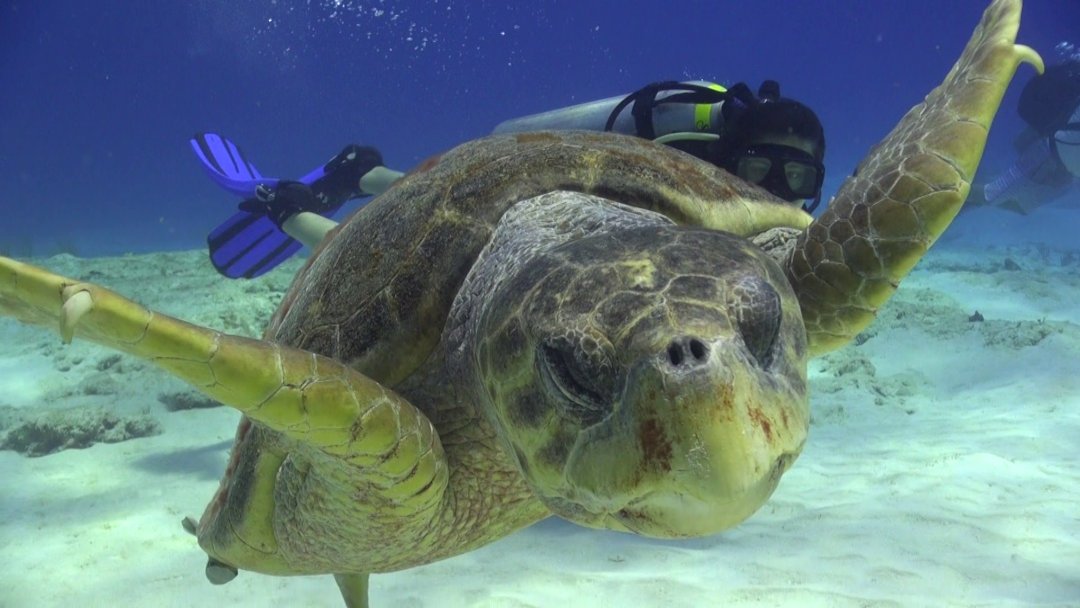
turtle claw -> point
(77, 302)
(1030, 56)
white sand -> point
(942, 469)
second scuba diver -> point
(1048, 149)
(769, 140)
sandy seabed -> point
(942, 467)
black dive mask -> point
(787, 172)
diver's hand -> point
(281, 202)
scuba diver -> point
(1048, 148)
(769, 140)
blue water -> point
(99, 98)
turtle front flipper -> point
(907, 190)
(394, 452)
(307, 397)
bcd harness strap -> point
(645, 101)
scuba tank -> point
(655, 111)
(691, 116)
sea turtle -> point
(583, 324)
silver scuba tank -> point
(593, 116)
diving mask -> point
(787, 172)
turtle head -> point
(650, 380)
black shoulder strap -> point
(644, 100)
(740, 99)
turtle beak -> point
(693, 447)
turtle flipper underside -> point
(309, 398)
(907, 190)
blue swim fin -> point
(231, 170)
(247, 244)
(227, 165)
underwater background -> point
(943, 466)
(99, 98)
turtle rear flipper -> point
(907, 190)
(354, 589)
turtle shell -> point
(376, 294)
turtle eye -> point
(758, 315)
(579, 374)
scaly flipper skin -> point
(311, 399)
(907, 190)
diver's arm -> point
(1033, 180)
(378, 180)
(308, 228)
(1024, 139)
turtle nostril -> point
(687, 352)
(675, 354)
(698, 350)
